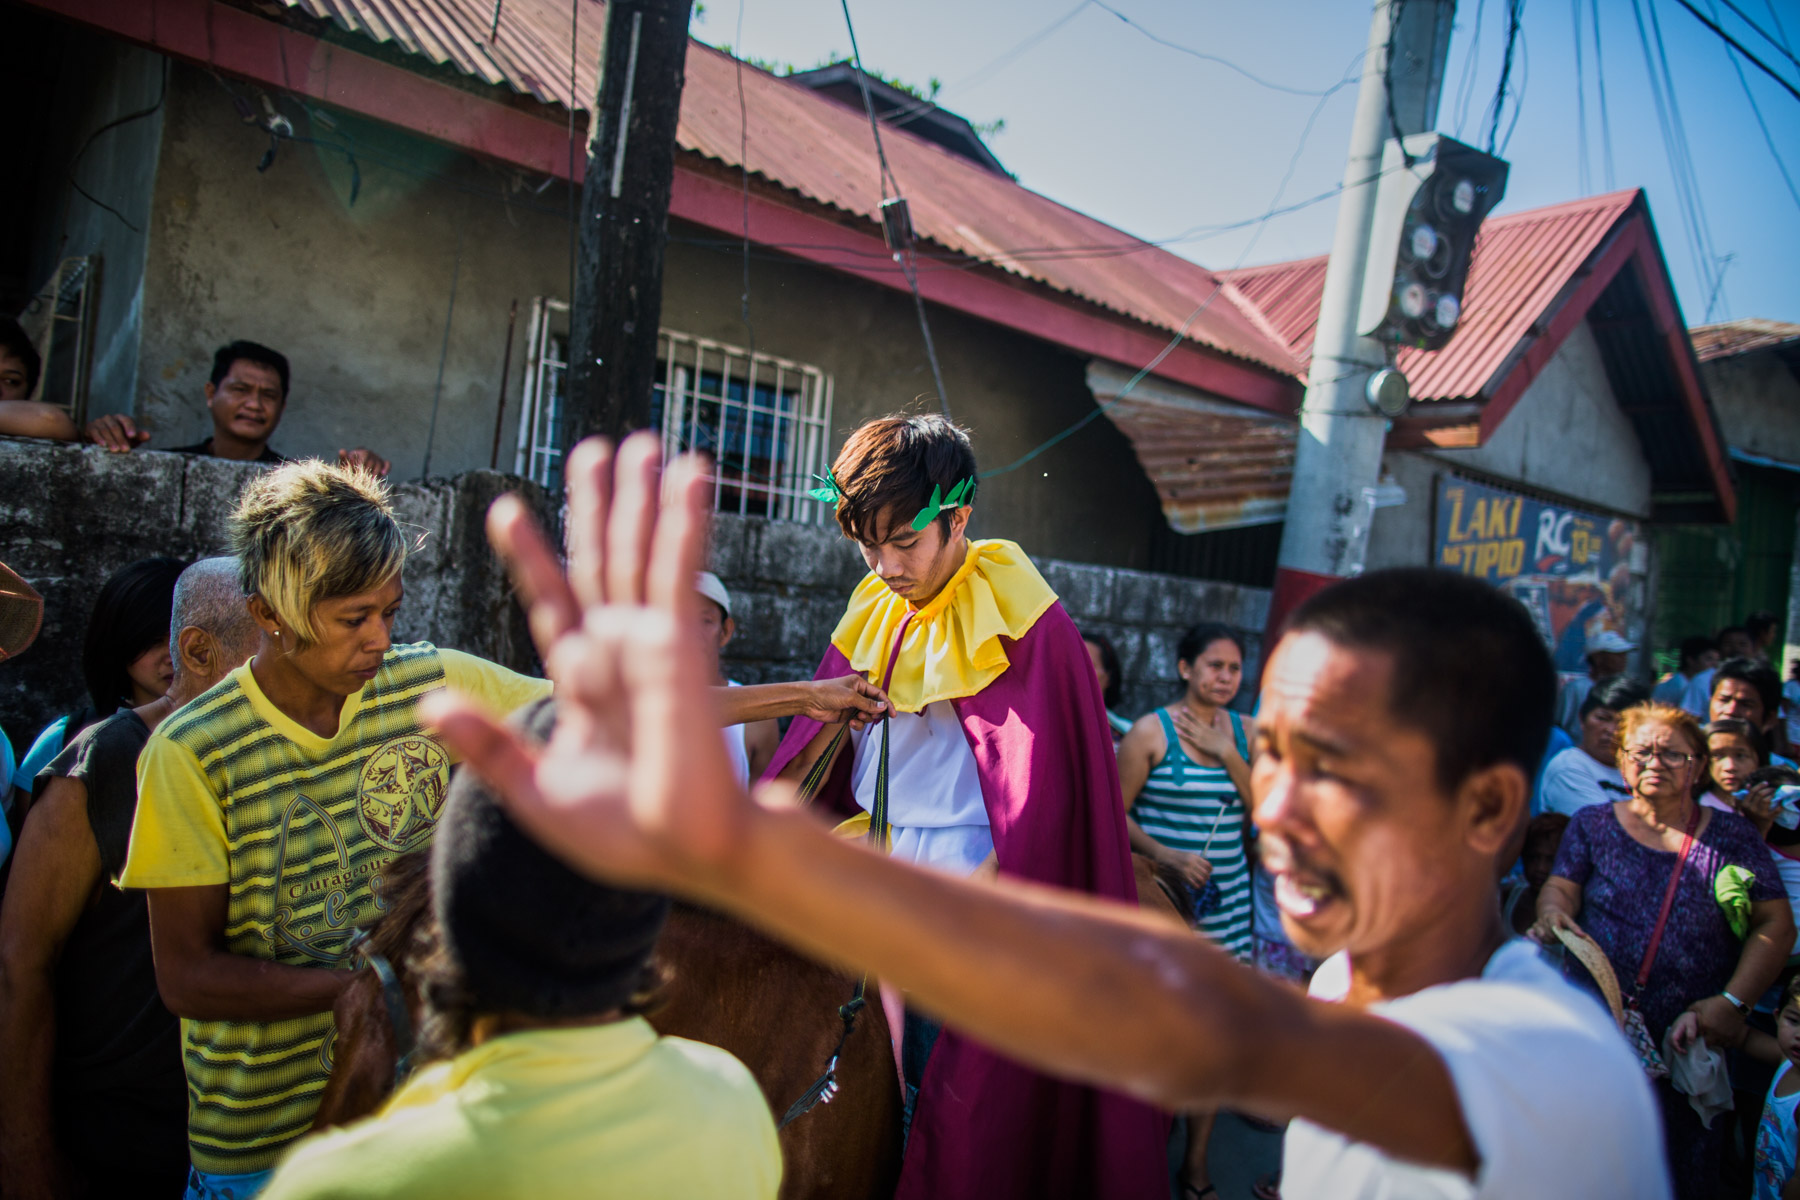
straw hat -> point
(21, 613)
(1591, 956)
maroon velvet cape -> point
(987, 1128)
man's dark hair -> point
(1692, 648)
(1759, 624)
(1194, 642)
(255, 352)
(1470, 671)
(1727, 631)
(131, 615)
(889, 467)
(1109, 662)
(1758, 676)
(13, 341)
(1616, 694)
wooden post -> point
(625, 219)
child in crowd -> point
(1777, 1136)
(1543, 837)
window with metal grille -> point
(766, 421)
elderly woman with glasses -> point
(1685, 901)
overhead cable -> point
(1768, 139)
(1605, 121)
(1764, 67)
(1212, 58)
(1780, 43)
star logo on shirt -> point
(402, 791)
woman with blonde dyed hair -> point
(1684, 900)
(270, 803)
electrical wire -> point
(1582, 174)
(1779, 43)
(911, 112)
(1775, 16)
(1600, 80)
(1739, 47)
(1514, 9)
(1205, 57)
(1465, 88)
(75, 163)
(1763, 125)
(903, 254)
(1181, 333)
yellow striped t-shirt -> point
(233, 791)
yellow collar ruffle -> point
(952, 648)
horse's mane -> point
(406, 889)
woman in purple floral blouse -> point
(1611, 875)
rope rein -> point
(825, 1088)
(394, 997)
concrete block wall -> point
(71, 515)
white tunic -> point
(935, 807)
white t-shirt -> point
(1553, 1098)
(1572, 782)
(935, 806)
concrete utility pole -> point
(625, 219)
(1341, 436)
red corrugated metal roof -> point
(1731, 338)
(812, 145)
(1522, 263)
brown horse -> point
(727, 985)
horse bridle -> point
(394, 997)
(824, 1089)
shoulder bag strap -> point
(1662, 918)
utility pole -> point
(617, 304)
(1338, 459)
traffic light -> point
(1426, 217)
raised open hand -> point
(634, 784)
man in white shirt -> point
(1402, 714)
(1607, 654)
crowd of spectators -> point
(174, 931)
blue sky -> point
(1157, 142)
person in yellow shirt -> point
(268, 805)
(552, 1086)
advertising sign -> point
(1570, 568)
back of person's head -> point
(210, 596)
(1197, 638)
(15, 342)
(1109, 662)
(1759, 676)
(1616, 695)
(521, 932)
(131, 615)
(1469, 669)
(1760, 626)
(309, 531)
(1790, 996)
(256, 352)
(1694, 648)
(889, 467)
(1745, 732)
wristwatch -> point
(1742, 1008)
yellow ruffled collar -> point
(952, 647)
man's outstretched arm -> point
(1080, 987)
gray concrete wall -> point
(357, 296)
(789, 584)
(82, 513)
(76, 514)
(1757, 398)
(103, 81)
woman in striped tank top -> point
(1185, 774)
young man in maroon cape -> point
(997, 758)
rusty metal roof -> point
(1214, 465)
(1522, 263)
(822, 150)
(1731, 338)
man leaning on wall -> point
(246, 396)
